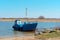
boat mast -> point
(26, 15)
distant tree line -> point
(41, 17)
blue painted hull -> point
(26, 27)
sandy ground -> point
(27, 38)
(20, 38)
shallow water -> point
(6, 29)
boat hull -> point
(25, 27)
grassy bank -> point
(55, 34)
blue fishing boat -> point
(24, 26)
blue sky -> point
(36, 8)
